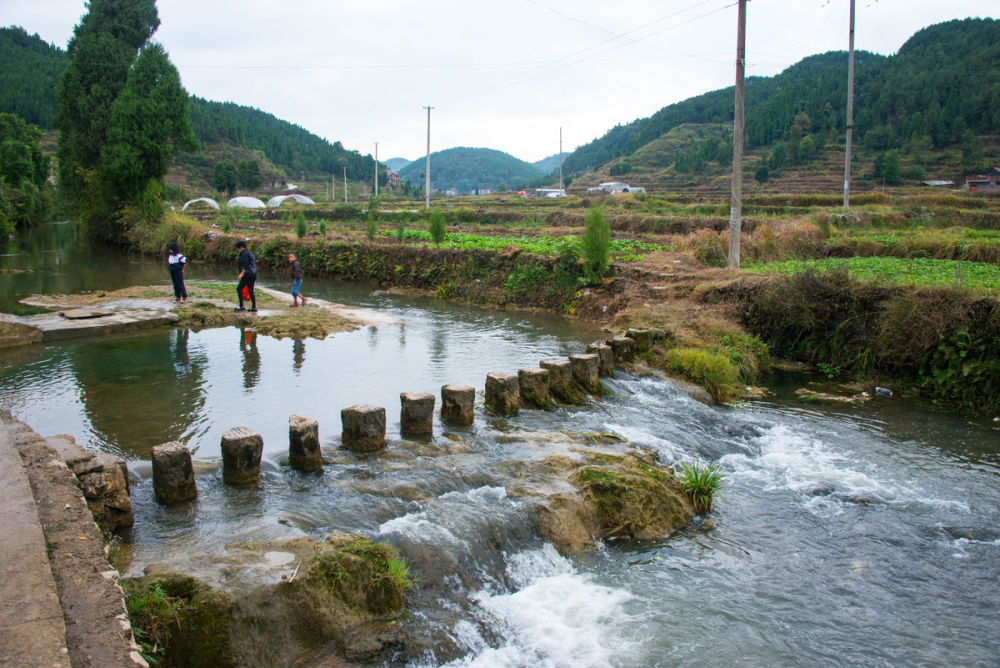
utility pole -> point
(345, 185)
(376, 169)
(560, 160)
(850, 114)
(427, 164)
(736, 208)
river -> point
(863, 535)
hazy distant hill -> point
(467, 169)
(940, 87)
(550, 164)
(396, 164)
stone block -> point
(605, 356)
(534, 387)
(173, 473)
(585, 371)
(560, 379)
(457, 403)
(241, 451)
(623, 347)
(363, 428)
(642, 337)
(303, 444)
(416, 417)
(503, 393)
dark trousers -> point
(179, 290)
(247, 282)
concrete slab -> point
(55, 327)
(32, 631)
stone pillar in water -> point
(560, 379)
(643, 338)
(416, 417)
(605, 356)
(503, 393)
(624, 348)
(303, 444)
(534, 387)
(241, 451)
(363, 428)
(585, 371)
(457, 403)
(173, 474)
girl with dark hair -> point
(176, 262)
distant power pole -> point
(736, 208)
(850, 113)
(345, 185)
(560, 159)
(427, 165)
(376, 169)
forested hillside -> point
(469, 169)
(942, 85)
(30, 69)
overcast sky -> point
(503, 75)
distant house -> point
(393, 178)
(984, 183)
(614, 187)
(550, 192)
(451, 192)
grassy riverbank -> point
(823, 286)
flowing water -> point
(864, 535)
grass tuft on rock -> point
(701, 483)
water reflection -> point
(298, 355)
(140, 391)
(251, 358)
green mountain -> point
(942, 85)
(550, 164)
(30, 68)
(469, 169)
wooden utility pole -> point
(736, 207)
(850, 113)
(427, 165)
(345, 185)
(376, 169)
(561, 183)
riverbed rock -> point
(606, 358)
(585, 371)
(328, 589)
(241, 451)
(303, 444)
(626, 496)
(173, 474)
(624, 348)
(503, 393)
(534, 387)
(363, 428)
(457, 403)
(416, 417)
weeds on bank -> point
(701, 483)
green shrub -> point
(711, 370)
(401, 230)
(437, 227)
(596, 244)
(300, 226)
(322, 227)
(701, 483)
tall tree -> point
(102, 51)
(225, 178)
(149, 122)
(249, 175)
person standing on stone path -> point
(176, 262)
(297, 276)
(247, 265)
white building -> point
(615, 187)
